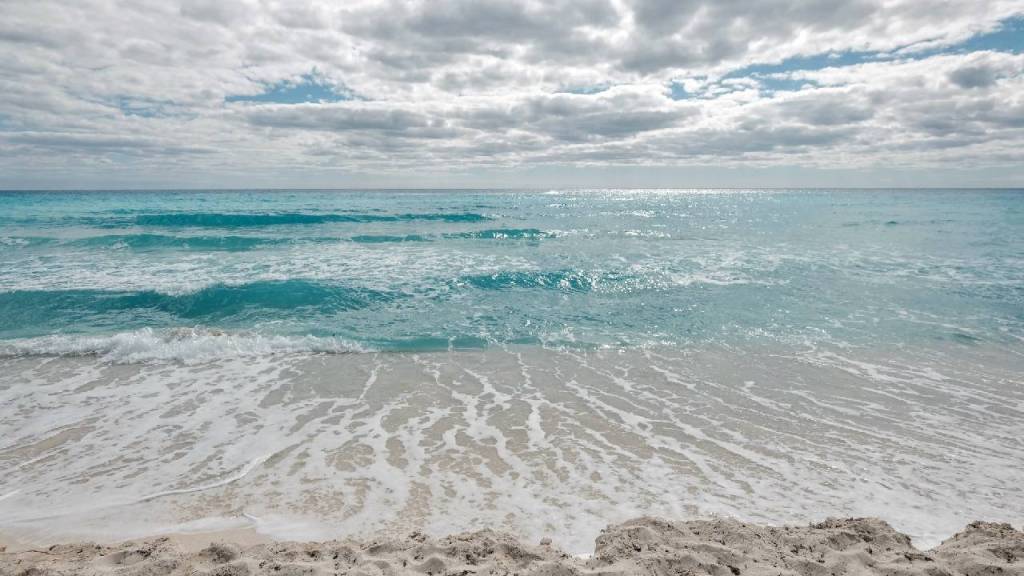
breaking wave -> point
(187, 345)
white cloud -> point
(141, 85)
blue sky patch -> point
(677, 91)
(816, 62)
(1009, 37)
(782, 83)
(309, 88)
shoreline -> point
(645, 545)
(525, 441)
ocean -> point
(318, 364)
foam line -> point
(230, 479)
(9, 494)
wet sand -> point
(526, 441)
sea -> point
(319, 364)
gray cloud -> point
(223, 12)
(395, 123)
(468, 83)
(821, 108)
(973, 76)
(555, 117)
(498, 27)
(90, 144)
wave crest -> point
(187, 345)
(158, 242)
(502, 234)
(232, 220)
(269, 298)
(388, 238)
(563, 280)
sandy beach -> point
(351, 369)
(721, 547)
(512, 287)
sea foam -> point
(187, 345)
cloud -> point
(222, 12)
(399, 84)
(96, 145)
(826, 108)
(341, 118)
(973, 77)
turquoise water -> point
(425, 270)
(540, 362)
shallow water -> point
(321, 364)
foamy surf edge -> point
(186, 345)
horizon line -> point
(503, 188)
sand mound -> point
(855, 546)
(647, 546)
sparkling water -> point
(323, 363)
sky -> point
(511, 93)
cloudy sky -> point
(349, 93)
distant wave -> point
(893, 222)
(24, 241)
(489, 234)
(386, 238)
(238, 243)
(564, 280)
(502, 234)
(188, 345)
(229, 220)
(606, 281)
(158, 241)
